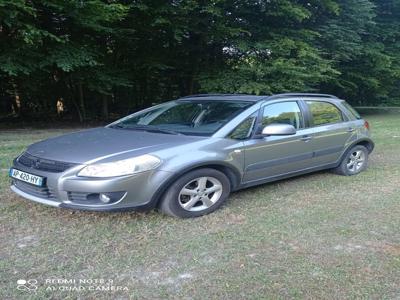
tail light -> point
(366, 125)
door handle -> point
(305, 138)
(350, 129)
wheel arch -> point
(231, 172)
(366, 142)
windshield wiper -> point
(146, 128)
(117, 126)
(159, 130)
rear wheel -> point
(354, 162)
(196, 193)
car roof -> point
(254, 98)
(234, 97)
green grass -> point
(315, 236)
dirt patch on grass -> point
(385, 247)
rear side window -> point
(351, 110)
(324, 113)
(283, 113)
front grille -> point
(38, 191)
(42, 164)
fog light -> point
(104, 198)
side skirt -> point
(287, 175)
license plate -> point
(26, 177)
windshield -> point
(185, 117)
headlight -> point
(121, 167)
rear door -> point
(331, 131)
(271, 156)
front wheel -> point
(354, 162)
(196, 193)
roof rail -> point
(301, 95)
(206, 95)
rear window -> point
(351, 110)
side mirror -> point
(278, 129)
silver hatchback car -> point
(186, 156)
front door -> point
(272, 156)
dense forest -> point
(98, 59)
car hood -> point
(104, 143)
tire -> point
(354, 161)
(196, 193)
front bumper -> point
(140, 190)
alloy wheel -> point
(200, 193)
(356, 161)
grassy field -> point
(315, 236)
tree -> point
(116, 56)
(44, 43)
(275, 52)
(353, 40)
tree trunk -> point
(71, 89)
(16, 101)
(82, 102)
(104, 107)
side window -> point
(283, 113)
(351, 109)
(324, 113)
(244, 129)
